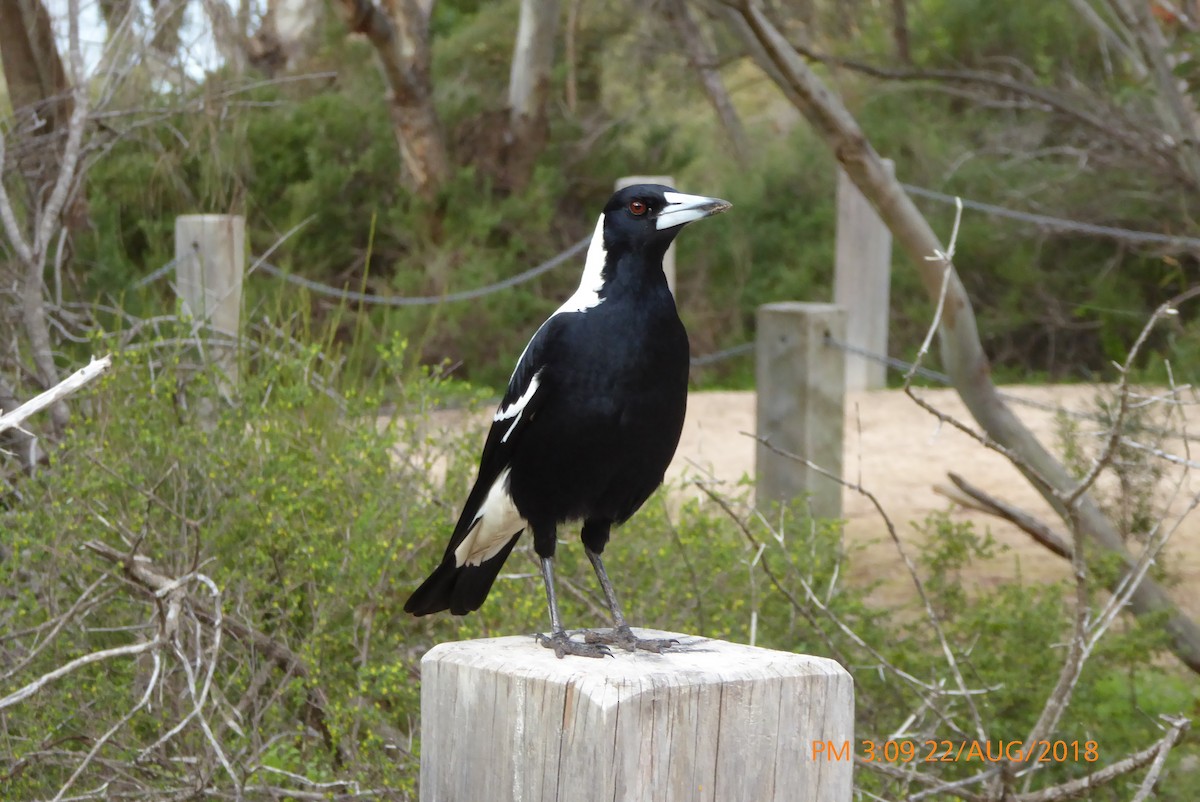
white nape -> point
(588, 294)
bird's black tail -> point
(459, 589)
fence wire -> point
(427, 300)
(720, 356)
(1048, 222)
(901, 366)
(1040, 220)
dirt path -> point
(901, 453)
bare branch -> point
(1039, 531)
(61, 390)
(961, 351)
(41, 682)
(1076, 788)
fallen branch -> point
(129, 650)
(980, 500)
(139, 570)
(1156, 753)
(56, 393)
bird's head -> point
(646, 217)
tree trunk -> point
(228, 35)
(399, 31)
(900, 30)
(529, 88)
(37, 89)
(51, 114)
(704, 61)
(287, 35)
(958, 335)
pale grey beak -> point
(687, 209)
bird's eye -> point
(637, 208)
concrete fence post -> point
(210, 260)
(504, 720)
(801, 391)
(862, 281)
(669, 259)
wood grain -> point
(503, 719)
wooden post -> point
(669, 259)
(210, 258)
(862, 281)
(504, 720)
(801, 389)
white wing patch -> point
(494, 525)
(517, 408)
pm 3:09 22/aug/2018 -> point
(952, 751)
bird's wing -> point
(489, 504)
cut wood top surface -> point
(694, 660)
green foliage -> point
(295, 506)
(1010, 639)
(976, 33)
(315, 524)
(1131, 500)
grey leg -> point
(621, 634)
(558, 639)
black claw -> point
(624, 637)
(562, 645)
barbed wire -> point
(1059, 223)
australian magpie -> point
(589, 423)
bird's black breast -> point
(615, 377)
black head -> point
(646, 217)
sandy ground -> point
(900, 452)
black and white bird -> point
(589, 423)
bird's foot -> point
(624, 637)
(562, 645)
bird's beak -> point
(687, 209)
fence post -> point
(210, 259)
(503, 719)
(669, 259)
(862, 281)
(801, 389)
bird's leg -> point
(559, 640)
(621, 634)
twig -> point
(1039, 531)
(934, 620)
(142, 573)
(129, 650)
(64, 388)
(150, 686)
(59, 623)
(1178, 726)
(1081, 785)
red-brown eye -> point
(637, 208)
